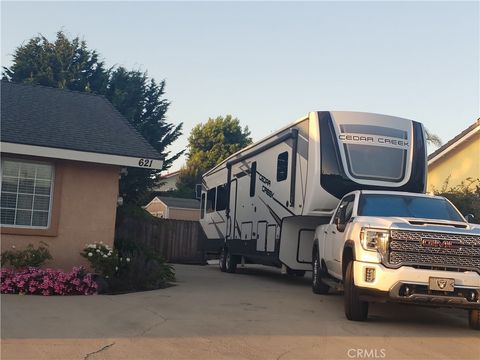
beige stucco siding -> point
(156, 207)
(459, 164)
(86, 213)
(184, 214)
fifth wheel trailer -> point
(263, 203)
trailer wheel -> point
(222, 260)
(318, 286)
(474, 319)
(355, 309)
(230, 262)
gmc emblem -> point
(445, 244)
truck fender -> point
(348, 255)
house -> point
(61, 156)
(174, 208)
(169, 182)
(456, 160)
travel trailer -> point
(263, 203)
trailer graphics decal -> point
(373, 140)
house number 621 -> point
(145, 163)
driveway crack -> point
(162, 319)
(99, 350)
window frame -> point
(225, 200)
(253, 178)
(56, 193)
(286, 166)
(214, 202)
(203, 204)
(50, 195)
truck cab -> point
(385, 246)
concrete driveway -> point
(255, 314)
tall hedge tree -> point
(208, 145)
(69, 64)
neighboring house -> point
(169, 182)
(61, 155)
(457, 160)
(174, 208)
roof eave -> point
(85, 156)
(439, 154)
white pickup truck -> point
(398, 247)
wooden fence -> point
(177, 241)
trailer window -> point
(202, 207)
(253, 178)
(221, 198)
(282, 166)
(211, 195)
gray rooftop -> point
(50, 117)
(180, 202)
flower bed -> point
(47, 282)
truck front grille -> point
(456, 252)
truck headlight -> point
(375, 240)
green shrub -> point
(29, 257)
(145, 270)
(102, 258)
(128, 267)
(465, 196)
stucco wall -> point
(184, 214)
(460, 163)
(87, 208)
(155, 207)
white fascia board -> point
(454, 145)
(75, 155)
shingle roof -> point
(180, 203)
(454, 140)
(50, 117)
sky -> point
(269, 63)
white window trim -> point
(50, 205)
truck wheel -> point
(221, 260)
(230, 262)
(318, 286)
(355, 309)
(474, 319)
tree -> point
(208, 145)
(71, 65)
(465, 196)
(433, 139)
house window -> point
(282, 166)
(26, 191)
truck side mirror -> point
(469, 217)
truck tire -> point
(230, 262)
(474, 319)
(355, 309)
(318, 286)
(221, 260)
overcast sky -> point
(270, 63)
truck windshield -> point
(407, 206)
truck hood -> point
(418, 224)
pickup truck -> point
(384, 246)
